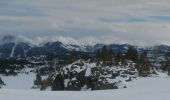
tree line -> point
(108, 57)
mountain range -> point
(19, 46)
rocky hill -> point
(84, 75)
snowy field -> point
(152, 88)
(20, 82)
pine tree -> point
(98, 55)
(119, 58)
(132, 54)
(143, 64)
(58, 83)
(104, 55)
(1, 82)
(166, 66)
(71, 57)
(38, 80)
(168, 61)
(169, 71)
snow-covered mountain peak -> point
(79, 41)
(16, 39)
(66, 40)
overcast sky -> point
(133, 21)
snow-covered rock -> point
(81, 74)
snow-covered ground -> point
(21, 82)
(151, 88)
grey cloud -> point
(134, 21)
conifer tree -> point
(58, 83)
(1, 82)
(143, 64)
(168, 61)
(169, 71)
(38, 80)
(132, 54)
(106, 55)
(71, 57)
(98, 55)
(165, 65)
(118, 58)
